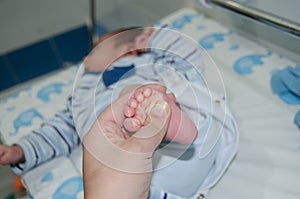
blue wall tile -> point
(7, 77)
(43, 57)
(34, 60)
(73, 45)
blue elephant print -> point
(25, 119)
(244, 65)
(208, 42)
(47, 177)
(69, 189)
(180, 23)
(45, 92)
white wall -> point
(25, 21)
(120, 13)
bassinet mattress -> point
(267, 164)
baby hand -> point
(141, 42)
(11, 155)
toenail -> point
(129, 111)
(133, 104)
(147, 92)
(140, 98)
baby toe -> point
(142, 94)
(147, 92)
(133, 103)
(140, 97)
(132, 124)
(129, 111)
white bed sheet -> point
(267, 164)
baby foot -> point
(181, 128)
(142, 40)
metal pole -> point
(268, 18)
(93, 22)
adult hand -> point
(119, 165)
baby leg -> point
(181, 128)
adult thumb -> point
(151, 135)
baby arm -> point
(55, 137)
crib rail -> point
(259, 15)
